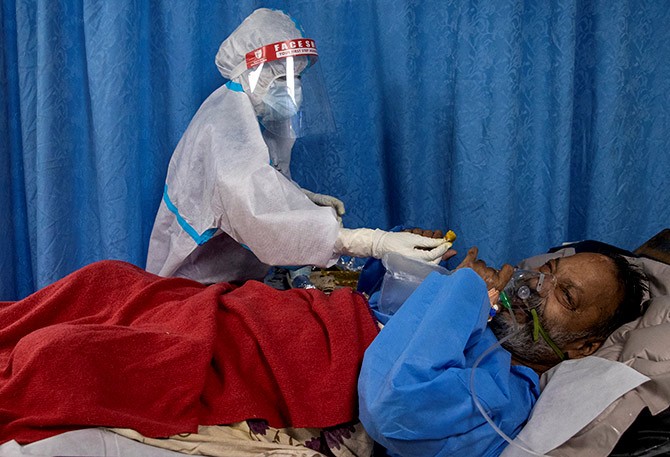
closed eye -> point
(567, 299)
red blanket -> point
(112, 345)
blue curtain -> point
(518, 124)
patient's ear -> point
(582, 347)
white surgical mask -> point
(283, 101)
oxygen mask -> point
(527, 290)
(526, 293)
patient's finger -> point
(503, 276)
(496, 279)
(415, 230)
(494, 295)
(449, 254)
(469, 259)
(426, 233)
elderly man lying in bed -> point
(112, 345)
(414, 389)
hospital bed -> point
(646, 436)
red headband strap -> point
(281, 50)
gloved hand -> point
(326, 200)
(376, 243)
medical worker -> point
(229, 207)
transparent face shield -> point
(287, 90)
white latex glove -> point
(376, 243)
(326, 200)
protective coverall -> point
(229, 207)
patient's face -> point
(586, 293)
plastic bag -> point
(402, 276)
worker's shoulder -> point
(224, 108)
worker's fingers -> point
(429, 255)
(339, 207)
(437, 253)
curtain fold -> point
(518, 125)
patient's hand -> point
(428, 233)
(433, 234)
(494, 279)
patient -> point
(112, 345)
(414, 386)
(596, 294)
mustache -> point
(521, 344)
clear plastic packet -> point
(402, 276)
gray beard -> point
(521, 344)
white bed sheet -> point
(92, 442)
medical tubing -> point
(481, 408)
(538, 331)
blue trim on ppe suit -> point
(414, 390)
(188, 228)
(235, 87)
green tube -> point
(537, 329)
(504, 299)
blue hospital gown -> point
(414, 390)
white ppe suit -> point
(229, 208)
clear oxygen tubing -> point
(519, 444)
